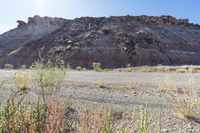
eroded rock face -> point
(21, 24)
(34, 29)
(113, 41)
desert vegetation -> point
(160, 68)
(185, 100)
(49, 113)
(96, 66)
(8, 66)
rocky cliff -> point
(112, 41)
(34, 29)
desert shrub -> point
(96, 66)
(122, 128)
(84, 69)
(79, 68)
(128, 69)
(192, 70)
(148, 121)
(161, 68)
(8, 66)
(128, 65)
(159, 65)
(9, 116)
(16, 116)
(100, 121)
(22, 81)
(49, 77)
(68, 67)
(185, 100)
(23, 67)
(21, 116)
(39, 115)
(171, 69)
(147, 69)
(56, 121)
(181, 70)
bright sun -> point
(40, 3)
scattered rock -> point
(165, 130)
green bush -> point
(22, 116)
(128, 65)
(17, 116)
(129, 68)
(68, 67)
(23, 67)
(96, 66)
(49, 77)
(8, 66)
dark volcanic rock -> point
(113, 41)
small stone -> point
(68, 47)
(190, 130)
(69, 41)
(134, 93)
(190, 126)
(165, 130)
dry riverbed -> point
(124, 92)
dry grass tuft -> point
(160, 68)
(187, 100)
(101, 83)
(22, 81)
(181, 70)
(192, 70)
(147, 69)
(104, 121)
(79, 68)
(100, 121)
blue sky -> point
(12, 10)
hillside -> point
(112, 41)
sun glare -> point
(40, 3)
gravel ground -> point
(135, 89)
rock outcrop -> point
(112, 41)
(34, 29)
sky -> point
(13, 10)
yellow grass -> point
(22, 81)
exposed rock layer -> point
(113, 41)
